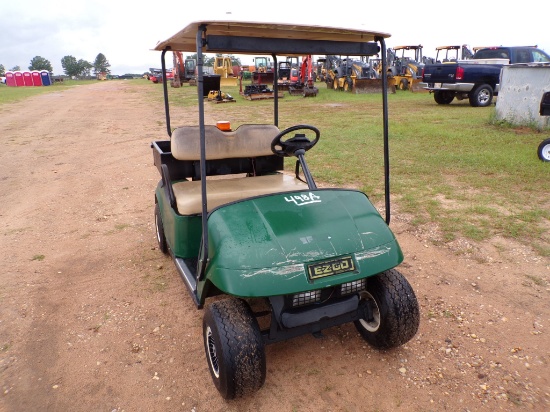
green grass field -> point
(14, 94)
(452, 166)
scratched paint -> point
(369, 254)
(277, 271)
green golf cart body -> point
(268, 254)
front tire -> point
(543, 150)
(394, 314)
(481, 96)
(404, 84)
(234, 348)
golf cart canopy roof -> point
(273, 38)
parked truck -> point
(476, 79)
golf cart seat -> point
(242, 159)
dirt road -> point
(95, 318)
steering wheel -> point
(289, 147)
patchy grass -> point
(536, 280)
(15, 94)
(450, 165)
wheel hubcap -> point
(546, 152)
(373, 324)
(212, 353)
(484, 96)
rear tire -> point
(444, 97)
(481, 96)
(234, 348)
(404, 84)
(161, 238)
(395, 311)
(544, 150)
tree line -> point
(71, 66)
(82, 68)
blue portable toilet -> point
(46, 79)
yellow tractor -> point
(405, 66)
(349, 75)
(224, 68)
(451, 54)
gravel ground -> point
(95, 317)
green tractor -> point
(267, 255)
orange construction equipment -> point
(183, 71)
(304, 85)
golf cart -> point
(268, 255)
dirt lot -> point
(95, 318)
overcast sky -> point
(126, 32)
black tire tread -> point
(399, 311)
(540, 150)
(443, 97)
(241, 340)
(474, 96)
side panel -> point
(439, 73)
(473, 73)
(183, 233)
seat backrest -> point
(247, 141)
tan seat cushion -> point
(222, 191)
(248, 140)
